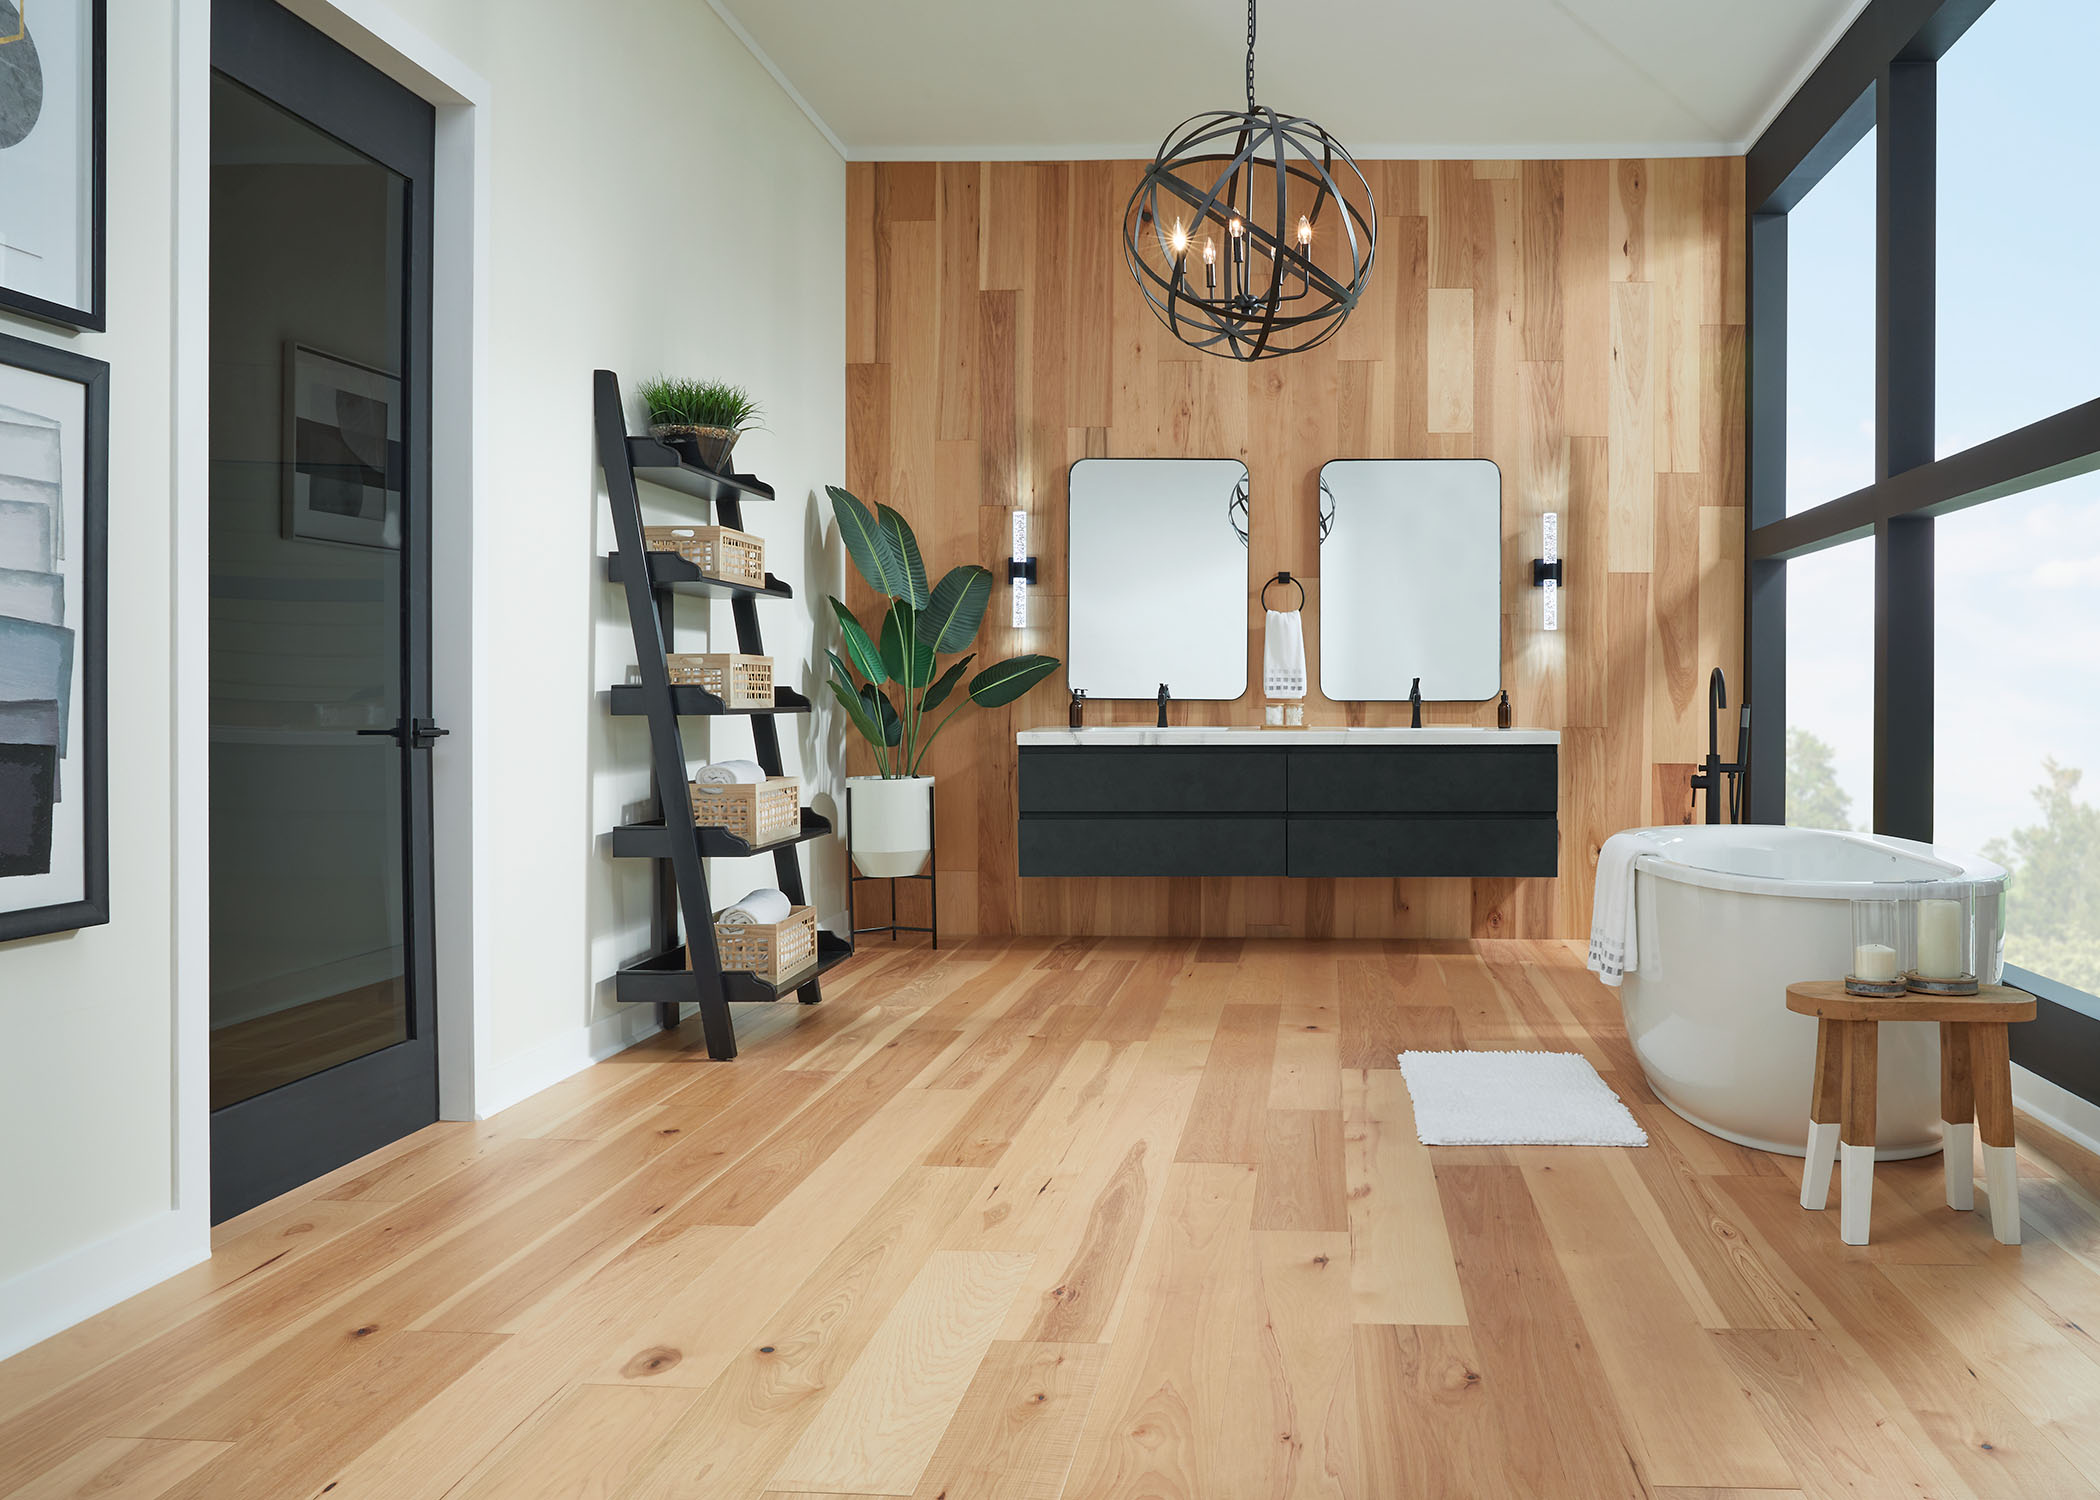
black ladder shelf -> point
(650, 582)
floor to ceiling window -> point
(1925, 454)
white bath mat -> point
(1515, 1099)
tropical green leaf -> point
(856, 711)
(957, 608)
(873, 550)
(878, 706)
(938, 693)
(1007, 680)
(899, 624)
(866, 659)
(899, 532)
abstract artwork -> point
(343, 454)
(54, 440)
(51, 159)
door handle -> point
(416, 734)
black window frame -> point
(1882, 74)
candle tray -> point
(1878, 989)
(1966, 985)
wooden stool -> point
(1975, 1086)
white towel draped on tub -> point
(731, 773)
(1615, 949)
(1283, 655)
(762, 908)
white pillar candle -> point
(1939, 940)
(1875, 961)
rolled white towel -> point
(731, 773)
(762, 908)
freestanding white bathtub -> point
(1728, 917)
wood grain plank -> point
(1402, 1270)
(1532, 1340)
(878, 1430)
(1018, 1426)
(1228, 1122)
(584, 1447)
(1424, 1415)
(123, 1469)
(1684, 1413)
(1300, 1183)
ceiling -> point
(989, 79)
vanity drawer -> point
(1152, 846)
(1456, 846)
(1144, 779)
(1426, 779)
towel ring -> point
(1283, 578)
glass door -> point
(323, 1035)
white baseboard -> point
(56, 1295)
(2058, 1108)
(509, 1080)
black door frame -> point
(266, 1145)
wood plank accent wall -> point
(1580, 323)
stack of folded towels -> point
(730, 773)
(761, 908)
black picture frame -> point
(92, 316)
(91, 663)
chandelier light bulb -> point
(1304, 232)
(1180, 239)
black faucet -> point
(1709, 776)
(1162, 705)
(1414, 699)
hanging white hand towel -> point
(731, 773)
(1283, 655)
(1615, 948)
(762, 908)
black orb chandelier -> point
(1252, 232)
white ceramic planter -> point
(891, 827)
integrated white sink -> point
(1284, 739)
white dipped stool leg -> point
(1994, 1118)
(2001, 1179)
(1826, 1101)
(1856, 1204)
(1958, 1153)
(1815, 1171)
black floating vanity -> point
(1345, 802)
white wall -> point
(655, 202)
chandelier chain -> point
(1250, 56)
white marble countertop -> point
(1285, 739)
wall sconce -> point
(1546, 571)
(1020, 569)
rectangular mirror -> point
(1411, 578)
(1158, 577)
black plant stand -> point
(674, 841)
(931, 875)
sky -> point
(2018, 248)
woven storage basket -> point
(771, 951)
(762, 812)
(717, 551)
(739, 681)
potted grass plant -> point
(699, 419)
(891, 684)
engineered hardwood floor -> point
(1090, 1220)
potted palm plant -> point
(699, 419)
(890, 683)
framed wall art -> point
(52, 147)
(343, 455)
(54, 722)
